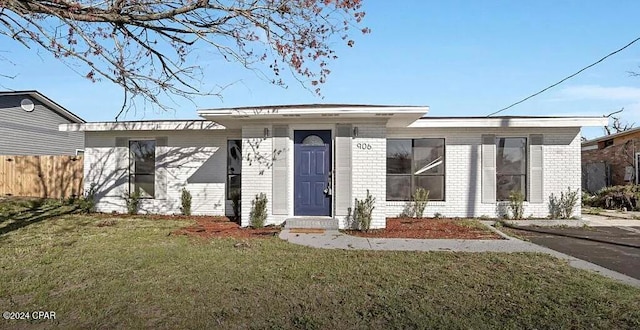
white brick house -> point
(312, 161)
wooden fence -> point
(41, 176)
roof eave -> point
(510, 122)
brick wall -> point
(256, 170)
(618, 156)
(195, 160)
(369, 152)
(463, 195)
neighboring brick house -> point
(312, 161)
(611, 160)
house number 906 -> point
(363, 146)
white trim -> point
(591, 147)
(295, 111)
(141, 126)
(393, 116)
(510, 122)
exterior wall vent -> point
(27, 105)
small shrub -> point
(235, 204)
(87, 204)
(438, 215)
(409, 211)
(562, 208)
(420, 199)
(258, 214)
(364, 210)
(185, 199)
(133, 201)
(516, 201)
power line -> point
(566, 78)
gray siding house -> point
(29, 126)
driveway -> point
(618, 257)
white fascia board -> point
(510, 122)
(268, 112)
(141, 126)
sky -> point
(461, 58)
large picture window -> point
(234, 167)
(142, 165)
(413, 164)
(511, 167)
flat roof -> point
(142, 125)
(395, 115)
(509, 121)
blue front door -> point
(312, 165)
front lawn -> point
(133, 273)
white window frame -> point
(155, 169)
(527, 159)
(444, 175)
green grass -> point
(130, 273)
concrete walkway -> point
(333, 239)
(608, 221)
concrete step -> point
(312, 222)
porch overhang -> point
(395, 116)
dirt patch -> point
(217, 227)
(430, 228)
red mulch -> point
(208, 227)
(427, 228)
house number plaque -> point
(363, 146)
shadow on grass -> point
(22, 215)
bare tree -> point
(617, 125)
(151, 47)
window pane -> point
(433, 183)
(233, 185)
(234, 157)
(398, 187)
(145, 183)
(313, 140)
(399, 156)
(428, 156)
(511, 157)
(142, 155)
(508, 183)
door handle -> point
(328, 191)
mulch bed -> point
(208, 227)
(427, 228)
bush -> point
(408, 211)
(364, 209)
(516, 201)
(420, 198)
(617, 197)
(562, 208)
(185, 199)
(87, 203)
(133, 201)
(258, 214)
